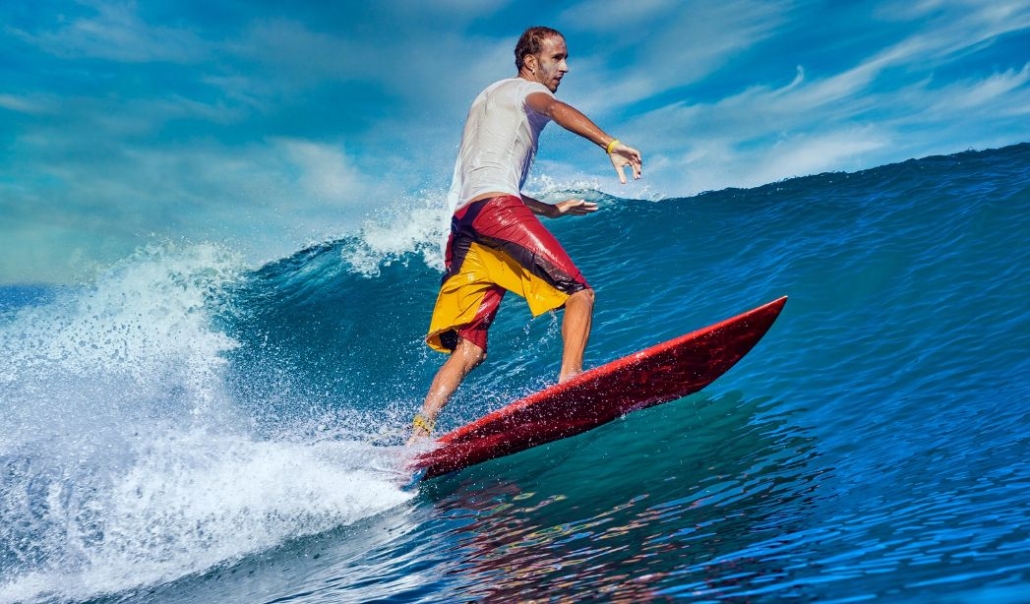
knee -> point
(583, 296)
(472, 355)
(476, 358)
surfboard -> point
(665, 372)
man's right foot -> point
(568, 376)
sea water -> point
(188, 428)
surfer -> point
(497, 244)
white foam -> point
(417, 225)
(123, 460)
(194, 500)
(421, 223)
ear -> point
(530, 61)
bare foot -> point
(417, 435)
(568, 376)
(421, 429)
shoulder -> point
(527, 88)
(518, 93)
(518, 87)
(533, 95)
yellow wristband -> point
(611, 146)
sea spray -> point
(126, 461)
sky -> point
(265, 126)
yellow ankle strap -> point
(420, 421)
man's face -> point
(550, 64)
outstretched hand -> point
(574, 207)
(622, 156)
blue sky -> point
(263, 126)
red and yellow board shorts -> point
(497, 245)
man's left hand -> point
(574, 207)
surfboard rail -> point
(659, 374)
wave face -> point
(188, 429)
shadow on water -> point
(654, 505)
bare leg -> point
(466, 357)
(575, 332)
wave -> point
(184, 410)
(126, 457)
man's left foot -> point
(421, 429)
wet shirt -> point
(499, 142)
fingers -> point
(583, 207)
(623, 156)
(576, 207)
(635, 161)
(620, 165)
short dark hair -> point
(532, 41)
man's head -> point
(540, 56)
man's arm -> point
(575, 121)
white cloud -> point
(949, 29)
(849, 120)
(297, 52)
(1001, 93)
(664, 45)
(613, 20)
(268, 198)
(325, 174)
(23, 104)
(423, 71)
(115, 32)
(994, 10)
(232, 148)
(811, 154)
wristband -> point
(611, 146)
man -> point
(496, 243)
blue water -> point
(190, 429)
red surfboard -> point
(662, 373)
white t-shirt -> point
(499, 142)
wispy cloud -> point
(635, 60)
(115, 31)
(24, 104)
(271, 126)
(886, 106)
(267, 198)
(1005, 93)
